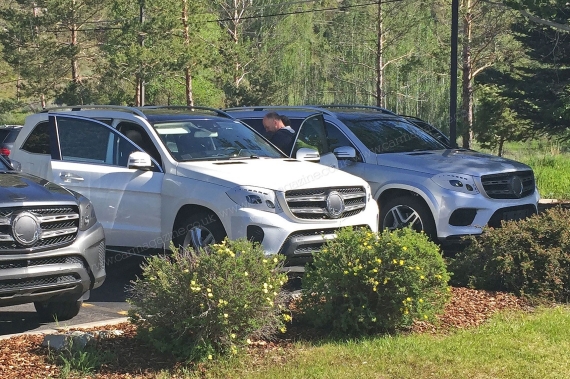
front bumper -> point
(284, 234)
(486, 211)
(68, 272)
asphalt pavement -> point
(106, 305)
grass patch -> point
(550, 161)
(511, 345)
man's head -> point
(272, 122)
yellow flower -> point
(378, 260)
(275, 260)
(426, 317)
(345, 272)
(210, 356)
(210, 295)
(225, 315)
(245, 274)
(401, 262)
(394, 261)
(418, 268)
(193, 282)
(373, 319)
(185, 270)
(265, 261)
(375, 270)
(421, 300)
(408, 299)
(248, 341)
(283, 329)
(422, 277)
(385, 280)
(265, 290)
(264, 285)
(208, 289)
(287, 317)
(232, 335)
(404, 248)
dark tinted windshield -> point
(391, 136)
(213, 139)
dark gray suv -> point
(52, 248)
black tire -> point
(58, 310)
(200, 230)
(407, 211)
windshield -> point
(392, 136)
(213, 139)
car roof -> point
(152, 114)
(260, 111)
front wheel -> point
(407, 211)
(200, 230)
(58, 310)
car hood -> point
(16, 187)
(274, 174)
(451, 161)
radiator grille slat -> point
(509, 185)
(58, 227)
(313, 203)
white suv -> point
(193, 176)
(417, 181)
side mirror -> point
(344, 152)
(140, 160)
(306, 154)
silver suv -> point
(416, 180)
(52, 249)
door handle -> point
(68, 177)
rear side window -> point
(38, 140)
(12, 136)
(84, 141)
(3, 134)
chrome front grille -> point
(326, 203)
(55, 227)
(509, 185)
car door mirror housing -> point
(345, 152)
(140, 160)
(306, 154)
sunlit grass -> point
(511, 345)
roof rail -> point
(75, 108)
(187, 107)
(371, 107)
(282, 107)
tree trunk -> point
(501, 147)
(467, 82)
(380, 60)
(187, 69)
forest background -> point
(513, 58)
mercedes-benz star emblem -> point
(26, 228)
(517, 186)
(335, 204)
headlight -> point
(87, 216)
(256, 198)
(457, 182)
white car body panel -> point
(138, 208)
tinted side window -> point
(312, 135)
(91, 142)
(336, 138)
(38, 140)
(82, 140)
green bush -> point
(526, 257)
(199, 306)
(362, 282)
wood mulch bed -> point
(23, 357)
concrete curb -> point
(113, 321)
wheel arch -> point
(187, 210)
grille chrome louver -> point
(58, 226)
(509, 185)
(315, 203)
